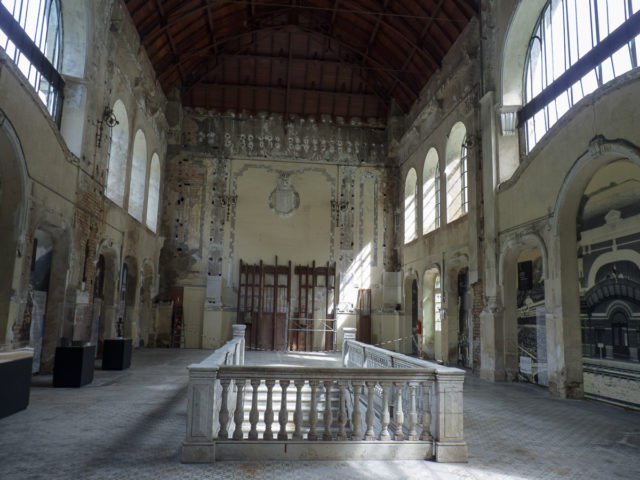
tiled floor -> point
(130, 424)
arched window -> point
(437, 177)
(430, 192)
(455, 173)
(411, 206)
(138, 176)
(31, 34)
(117, 156)
(153, 195)
(464, 177)
(558, 72)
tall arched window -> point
(138, 176)
(117, 156)
(430, 192)
(455, 172)
(411, 206)
(558, 72)
(464, 177)
(31, 34)
(153, 195)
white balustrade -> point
(403, 408)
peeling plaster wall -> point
(450, 96)
(64, 187)
(223, 175)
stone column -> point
(199, 446)
(449, 423)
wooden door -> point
(264, 295)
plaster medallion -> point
(284, 199)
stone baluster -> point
(413, 414)
(313, 412)
(370, 434)
(238, 332)
(297, 416)
(223, 434)
(254, 415)
(328, 416)
(399, 414)
(426, 414)
(238, 416)
(283, 415)
(385, 419)
(342, 413)
(356, 416)
(268, 413)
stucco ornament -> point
(284, 200)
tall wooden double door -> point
(275, 319)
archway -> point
(566, 372)
(13, 212)
(130, 320)
(457, 324)
(147, 337)
(407, 329)
(608, 255)
(38, 291)
(431, 321)
(104, 297)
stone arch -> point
(611, 257)
(430, 192)
(454, 180)
(566, 371)
(138, 176)
(13, 218)
(507, 345)
(514, 51)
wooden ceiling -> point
(346, 58)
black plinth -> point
(73, 366)
(116, 354)
(15, 381)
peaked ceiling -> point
(345, 58)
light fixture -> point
(109, 119)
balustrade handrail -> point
(306, 373)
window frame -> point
(25, 46)
(603, 48)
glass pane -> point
(607, 71)
(621, 61)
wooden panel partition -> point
(264, 295)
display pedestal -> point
(73, 366)
(15, 381)
(116, 354)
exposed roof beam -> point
(292, 90)
(423, 34)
